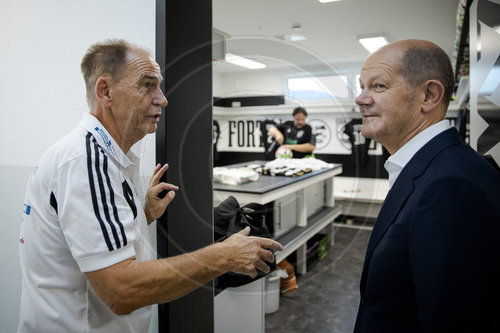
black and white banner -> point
(243, 133)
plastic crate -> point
(317, 249)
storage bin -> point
(315, 198)
(272, 296)
(284, 214)
(317, 248)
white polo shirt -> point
(82, 212)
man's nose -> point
(160, 99)
(364, 98)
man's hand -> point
(247, 255)
(155, 206)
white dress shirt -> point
(396, 162)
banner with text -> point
(244, 134)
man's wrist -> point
(221, 256)
(149, 218)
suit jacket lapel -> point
(391, 207)
(403, 187)
(393, 203)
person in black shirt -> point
(295, 135)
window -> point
(318, 88)
(323, 89)
(357, 86)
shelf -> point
(461, 38)
(461, 93)
(298, 236)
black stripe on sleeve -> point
(94, 195)
(97, 163)
(53, 201)
(112, 199)
(129, 196)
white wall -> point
(267, 81)
(216, 84)
(42, 97)
(248, 83)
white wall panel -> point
(42, 97)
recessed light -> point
(325, 1)
(372, 44)
(244, 62)
(296, 34)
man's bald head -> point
(420, 61)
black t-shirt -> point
(294, 136)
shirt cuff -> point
(107, 259)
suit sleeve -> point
(455, 258)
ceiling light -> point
(244, 62)
(372, 44)
(295, 35)
(325, 1)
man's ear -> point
(102, 91)
(434, 93)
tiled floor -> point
(327, 296)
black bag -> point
(230, 218)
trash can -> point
(272, 296)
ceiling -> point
(256, 29)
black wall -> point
(183, 50)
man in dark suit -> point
(433, 259)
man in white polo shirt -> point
(86, 262)
(432, 263)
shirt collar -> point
(396, 162)
(106, 141)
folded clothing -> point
(234, 176)
(291, 167)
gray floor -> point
(327, 296)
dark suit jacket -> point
(433, 259)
